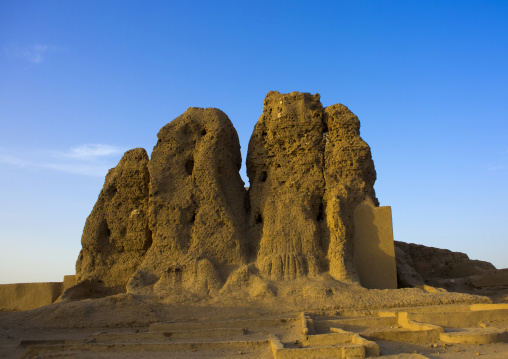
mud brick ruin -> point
(183, 223)
(180, 259)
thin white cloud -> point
(37, 53)
(497, 168)
(13, 161)
(92, 151)
(34, 54)
(90, 159)
(98, 170)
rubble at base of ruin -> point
(183, 223)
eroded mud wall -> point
(349, 179)
(183, 221)
(309, 169)
(285, 167)
(116, 234)
(197, 205)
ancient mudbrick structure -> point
(197, 205)
(117, 234)
(349, 179)
(183, 222)
(285, 167)
(308, 168)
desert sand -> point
(132, 326)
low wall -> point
(374, 252)
(69, 281)
(27, 296)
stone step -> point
(346, 351)
(465, 316)
(402, 334)
(356, 325)
(387, 326)
(333, 345)
(475, 336)
(404, 356)
(248, 324)
(36, 350)
(329, 339)
(203, 334)
(467, 319)
(30, 342)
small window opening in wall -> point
(111, 190)
(259, 218)
(104, 230)
(320, 216)
(203, 132)
(263, 176)
(148, 239)
(189, 166)
(193, 217)
(174, 269)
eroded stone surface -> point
(197, 206)
(285, 167)
(182, 223)
(432, 262)
(349, 179)
(407, 276)
(309, 168)
(116, 234)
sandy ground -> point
(124, 313)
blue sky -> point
(83, 81)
